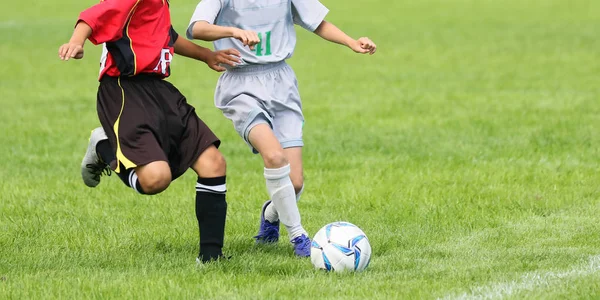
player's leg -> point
(245, 111)
(211, 204)
(241, 100)
(294, 157)
(127, 140)
(279, 185)
(288, 122)
(286, 109)
(195, 146)
(149, 179)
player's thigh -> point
(193, 144)
(288, 127)
(127, 110)
(240, 100)
(294, 157)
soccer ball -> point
(340, 246)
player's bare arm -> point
(74, 48)
(205, 31)
(330, 32)
(93, 25)
(213, 59)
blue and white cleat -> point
(268, 232)
(301, 246)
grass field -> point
(467, 149)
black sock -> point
(105, 152)
(129, 177)
(211, 211)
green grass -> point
(466, 149)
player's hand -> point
(70, 50)
(230, 57)
(364, 45)
(247, 37)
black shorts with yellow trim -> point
(147, 119)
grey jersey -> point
(272, 20)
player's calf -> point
(298, 183)
(279, 185)
(211, 204)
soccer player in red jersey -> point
(150, 135)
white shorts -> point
(262, 94)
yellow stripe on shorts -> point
(121, 159)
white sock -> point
(133, 182)
(270, 212)
(281, 190)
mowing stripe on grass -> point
(530, 282)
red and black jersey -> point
(137, 36)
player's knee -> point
(274, 159)
(211, 163)
(154, 180)
(155, 185)
(215, 164)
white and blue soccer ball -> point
(340, 246)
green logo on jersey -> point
(259, 46)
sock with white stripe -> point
(283, 198)
(270, 212)
(130, 179)
(211, 211)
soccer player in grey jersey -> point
(260, 95)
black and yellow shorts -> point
(147, 119)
